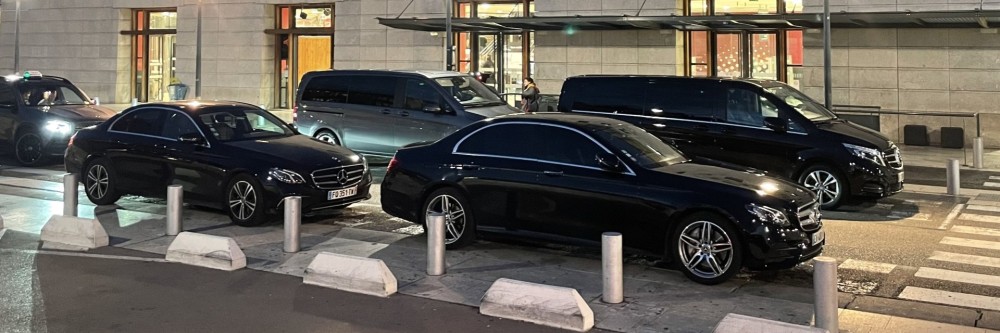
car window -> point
(421, 96)
(330, 89)
(686, 100)
(178, 124)
(6, 94)
(51, 93)
(373, 91)
(243, 124)
(533, 141)
(468, 91)
(639, 146)
(744, 107)
(624, 95)
(144, 121)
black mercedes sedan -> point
(569, 178)
(229, 155)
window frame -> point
(163, 122)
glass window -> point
(498, 140)
(700, 54)
(314, 17)
(729, 55)
(746, 7)
(537, 142)
(639, 146)
(698, 8)
(421, 96)
(794, 58)
(683, 100)
(330, 89)
(801, 103)
(6, 94)
(178, 124)
(623, 96)
(146, 121)
(743, 107)
(468, 91)
(163, 20)
(51, 93)
(764, 56)
(793, 6)
(244, 124)
(373, 91)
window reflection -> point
(313, 17)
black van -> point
(762, 124)
(39, 113)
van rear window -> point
(608, 95)
(330, 89)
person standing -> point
(530, 96)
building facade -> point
(255, 50)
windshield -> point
(803, 104)
(51, 93)
(640, 146)
(469, 92)
(244, 124)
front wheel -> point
(245, 201)
(460, 228)
(99, 182)
(707, 248)
(28, 148)
(827, 183)
(328, 137)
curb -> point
(206, 251)
(736, 323)
(73, 233)
(349, 273)
(541, 304)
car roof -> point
(431, 74)
(759, 82)
(45, 78)
(578, 121)
(195, 107)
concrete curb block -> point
(349, 273)
(206, 251)
(541, 304)
(78, 233)
(735, 323)
(1, 221)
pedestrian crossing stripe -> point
(979, 218)
(984, 208)
(950, 298)
(957, 276)
(975, 230)
(867, 266)
(974, 243)
(967, 259)
(991, 184)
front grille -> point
(331, 178)
(809, 216)
(893, 158)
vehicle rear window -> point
(684, 99)
(146, 122)
(540, 142)
(353, 89)
(607, 95)
(6, 94)
(330, 89)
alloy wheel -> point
(327, 137)
(242, 200)
(29, 148)
(454, 216)
(97, 181)
(705, 249)
(825, 184)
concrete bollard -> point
(293, 220)
(954, 183)
(70, 195)
(435, 244)
(135, 101)
(825, 288)
(175, 200)
(977, 153)
(611, 263)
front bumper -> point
(875, 181)
(776, 248)
(313, 199)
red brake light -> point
(392, 164)
(295, 113)
(71, 138)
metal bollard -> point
(435, 244)
(977, 153)
(70, 195)
(611, 260)
(175, 202)
(135, 101)
(954, 183)
(293, 219)
(825, 287)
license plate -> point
(342, 193)
(900, 176)
(818, 237)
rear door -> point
(686, 113)
(8, 110)
(424, 115)
(187, 161)
(357, 108)
(134, 155)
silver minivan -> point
(375, 112)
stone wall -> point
(899, 5)
(362, 43)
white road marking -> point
(991, 184)
(995, 177)
(967, 259)
(951, 216)
(411, 230)
(976, 230)
(2, 232)
(86, 255)
(917, 202)
(910, 216)
(983, 208)
(984, 202)
(37, 171)
(950, 298)
(867, 266)
(956, 276)
(975, 243)
(979, 218)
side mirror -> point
(610, 162)
(192, 138)
(433, 108)
(776, 124)
(95, 101)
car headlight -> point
(286, 176)
(769, 215)
(866, 153)
(59, 126)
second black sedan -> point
(570, 178)
(229, 155)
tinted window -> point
(539, 142)
(51, 93)
(332, 89)
(178, 124)
(420, 95)
(744, 107)
(146, 122)
(243, 124)
(373, 90)
(689, 99)
(639, 146)
(611, 95)
(6, 94)
(468, 91)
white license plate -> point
(342, 193)
(900, 176)
(818, 237)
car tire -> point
(28, 148)
(328, 137)
(99, 181)
(710, 258)
(244, 201)
(830, 187)
(458, 219)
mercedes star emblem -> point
(342, 176)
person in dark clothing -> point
(530, 96)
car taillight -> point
(392, 164)
(71, 138)
(295, 113)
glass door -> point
(154, 37)
(161, 67)
(764, 56)
(729, 55)
(303, 43)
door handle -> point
(553, 173)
